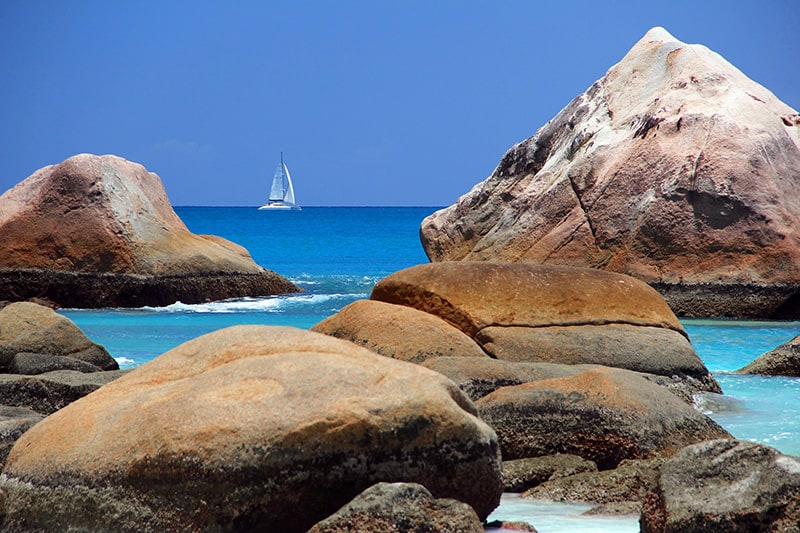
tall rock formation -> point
(674, 168)
(98, 231)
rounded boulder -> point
(249, 428)
(605, 415)
(399, 332)
(31, 328)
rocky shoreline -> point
(98, 290)
(241, 427)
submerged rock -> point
(674, 168)
(99, 231)
(240, 428)
(782, 361)
(725, 486)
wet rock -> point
(782, 361)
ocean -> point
(336, 254)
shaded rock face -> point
(35, 339)
(628, 483)
(782, 361)
(99, 230)
(538, 313)
(14, 421)
(401, 507)
(522, 474)
(725, 486)
(674, 168)
(242, 427)
(605, 415)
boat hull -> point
(279, 207)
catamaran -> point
(281, 195)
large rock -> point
(27, 328)
(99, 231)
(674, 168)
(605, 415)
(725, 486)
(400, 507)
(399, 332)
(249, 428)
(782, 361)
(539, 313)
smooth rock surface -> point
(674, 168)
(30, 328)
(782, 361)
(99, 231)
(725, 486)
(523, 312)
(476, 295)
(400, 508)
(604, 415)
(399, 332)
(242, 429)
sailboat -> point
(281, 195)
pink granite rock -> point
(100, 230)
(674, 168)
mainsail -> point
(281, 194)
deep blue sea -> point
(336, 254)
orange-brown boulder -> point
(251, 428)
(399, 332)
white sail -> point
(281, 194)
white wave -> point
(124, 362)
(266, 304)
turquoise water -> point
(337, 254)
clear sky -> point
(373, 102)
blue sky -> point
(372, 102)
